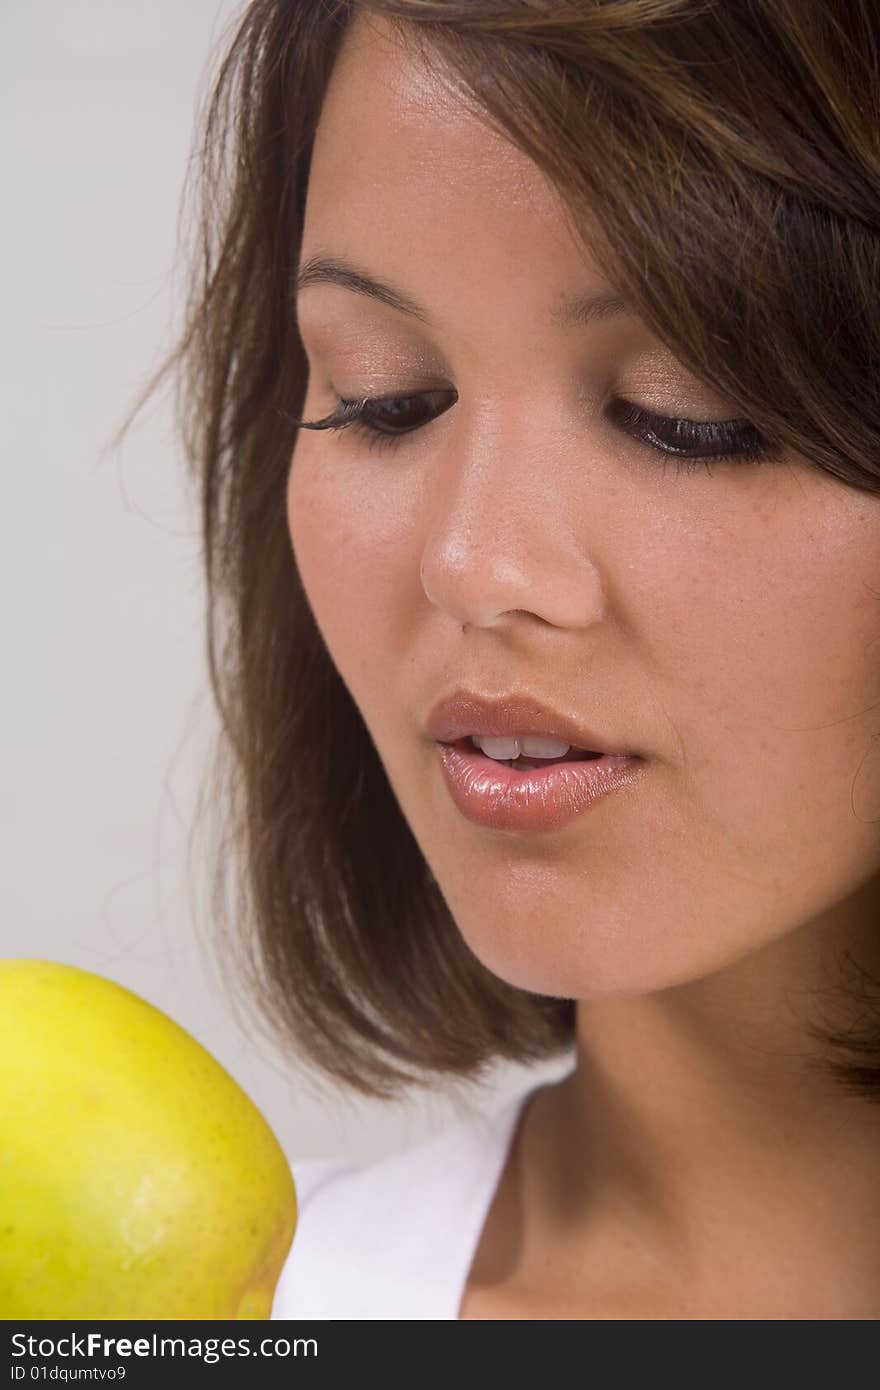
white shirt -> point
(395, 1238)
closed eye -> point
(382, 420)
(385, 417)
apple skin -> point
(137, 1179)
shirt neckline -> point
(505, 1124)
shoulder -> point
(393, 1238)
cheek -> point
(351, 551)
(764, 666)
(778, 667)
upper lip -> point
(464, 712)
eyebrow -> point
(573, 311)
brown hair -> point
(727, 158)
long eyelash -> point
(719, 439)
(350, 413)
(347, 412)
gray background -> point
(107, 719)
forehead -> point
(403, 166)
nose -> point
(505, 532)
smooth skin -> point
(696, 1163)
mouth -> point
(539, 730)
(467, 745)
(527, 794)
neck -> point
(700, 1126)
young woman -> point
(534, 394)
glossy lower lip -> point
(498, 797)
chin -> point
(563, 964)
(585, 960)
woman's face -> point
(723, 624)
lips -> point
(497, 797)
(464, 713)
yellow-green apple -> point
(137, 1179)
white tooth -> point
(500, 748)
(531, 746)
(543, 747)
